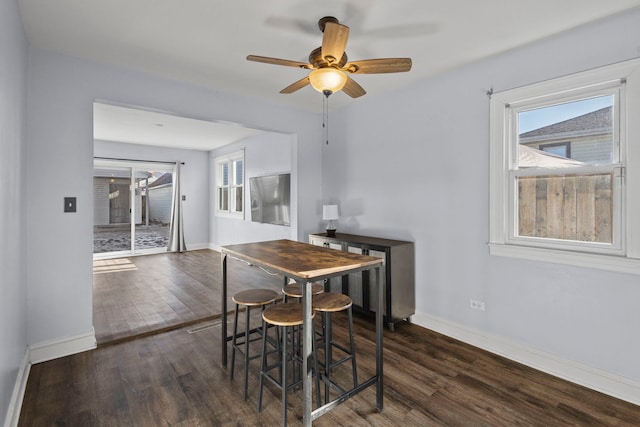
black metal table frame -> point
(309, 415)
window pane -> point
(561, 149)
(238, 172)
(238, 199)
(225, 174)
(569, 207)
(223, 199)
(580, 130)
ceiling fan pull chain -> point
(325, 118)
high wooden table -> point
(306, 264)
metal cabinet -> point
(398, 279)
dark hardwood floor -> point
(136, 296)
(175, 378)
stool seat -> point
(285, 314)
(255, 297)
(331, 302)
(295, 291)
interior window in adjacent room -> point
(229, 185)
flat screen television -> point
(271, 199)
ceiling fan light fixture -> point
(329, 64)
(327, 80)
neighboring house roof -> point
(531, 158)
(164, 179)
(599, 121)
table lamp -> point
(330, 213)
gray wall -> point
(61, 96)
(265, 154)
(415, 165)
(13, 139)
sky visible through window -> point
(541, 117)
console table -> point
(398, 281)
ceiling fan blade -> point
(277, 61)
(334, 41)
(378, 66)
(296, 86)
(353, 89)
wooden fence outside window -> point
(567, 207)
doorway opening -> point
(132, 208)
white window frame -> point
(624, 253)
(229, 160)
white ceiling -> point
(206, 41)
(137, 126)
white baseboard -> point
(197, 246)
(15, 405)
(42, 352)
(50, 350)
(596, 379)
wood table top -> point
(299, 260)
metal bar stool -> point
(249, 298)
(286, 317)
(328, 303)
(294, 290)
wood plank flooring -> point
(175, 378)
(136, 296)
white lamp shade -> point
(330, 212)
(327, 79)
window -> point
(230, 184)
(565, 169)
(562, 149)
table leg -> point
(224, 310)
(306, 353)
(286, 282)
(379, 331)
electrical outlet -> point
(476, 305)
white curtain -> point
(176, 231)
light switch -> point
(69, 204)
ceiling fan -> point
(330, 65)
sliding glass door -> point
(132, 208)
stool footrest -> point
(276, 382)
(332, 384)
(242, 334)
(340, 361)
